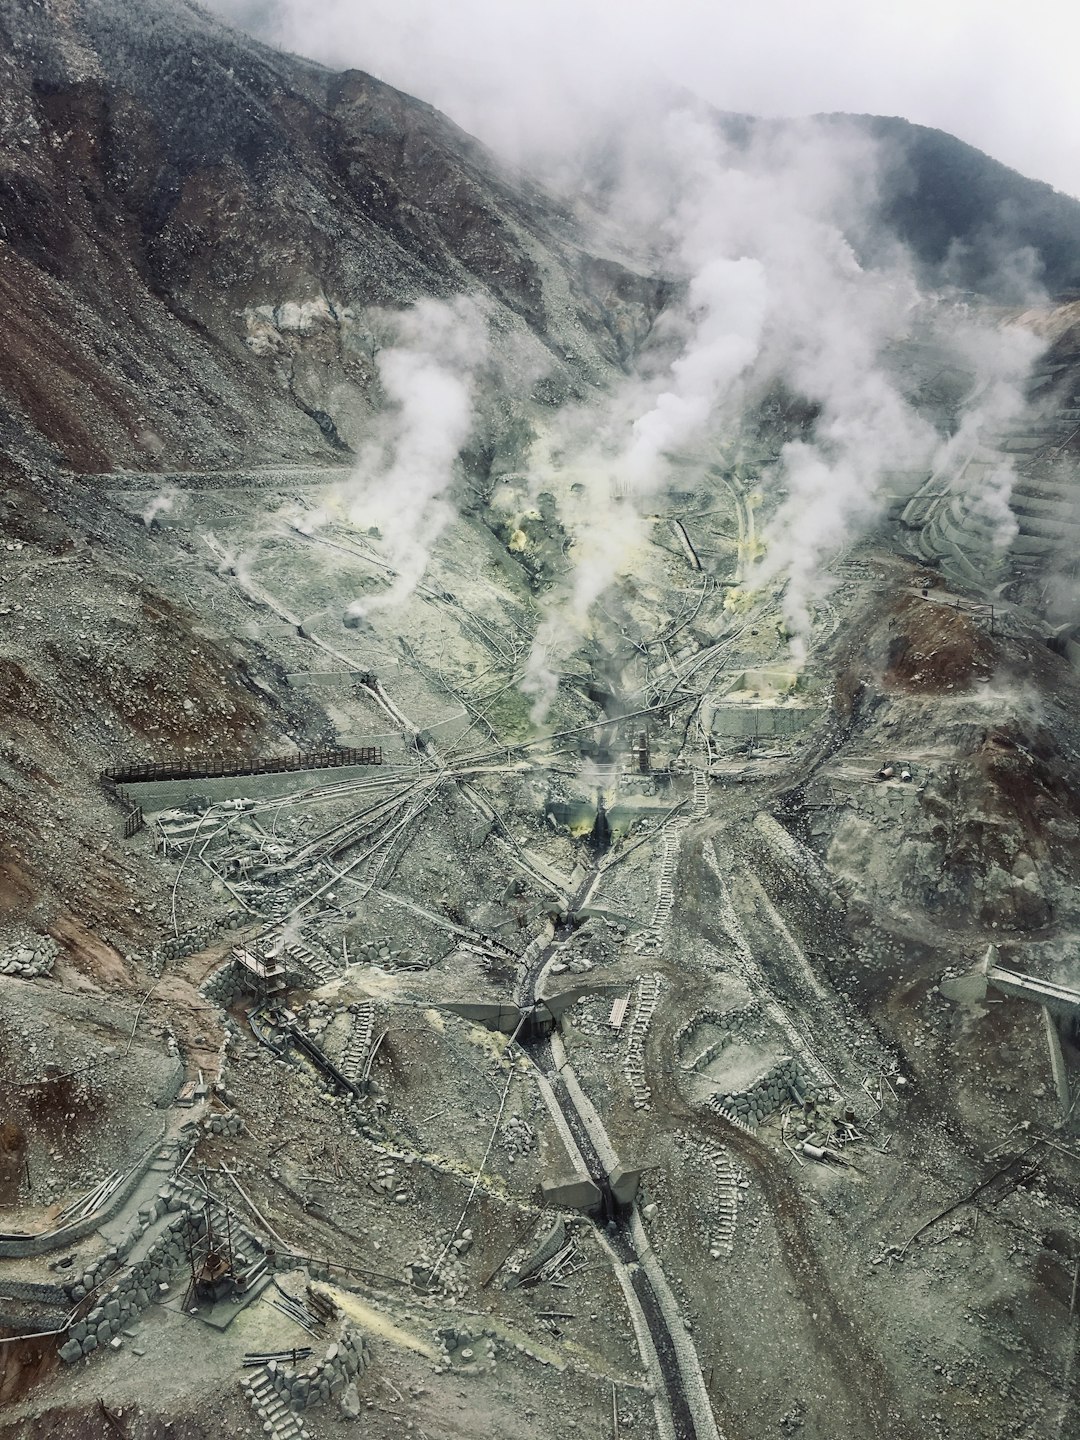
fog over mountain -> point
(539, 769)
(531, 79)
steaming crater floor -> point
(617, 1044)
(775, 916)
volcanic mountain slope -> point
(196, 237)
(970, 220)
(162, 178)
(193, 227)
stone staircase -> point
(249, 1256)
(727, 1203)
(650, 939)
(633, 1066)
(278, 1421)
(714, 1103)
(358, 1045)
(699, 806)
(651, 936)
(299, 955)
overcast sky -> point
(1001, 74)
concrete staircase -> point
(278, 1421)
(1047, 510)
(949, 523)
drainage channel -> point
(612, 1218)
(617, 1229)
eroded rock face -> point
(194, 247)
(984, 833)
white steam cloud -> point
(162, 504)
(727, 302)
(764, 234)
(774, 294)
(790, 290)
(970, 460)
(404, 473)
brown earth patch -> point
(934, 647)
(24, 1364)
(12, 1153)
(16, 888)
(1027, 774)
(89, 954)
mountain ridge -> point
(164, 177)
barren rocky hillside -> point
(194, 227)
(492, 948)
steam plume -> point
(790, 283)
(403, 475)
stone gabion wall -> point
(730, 1022)
(384, 954)
(784, 1082)
(229, 1124)
(52, 1300)
(171, 1198)
(31, 959)
(36, 1291)
(221, 986)
(181, 946)
(135, 1289)
(139, 1285)
(301, 1388)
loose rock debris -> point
(641, 1070)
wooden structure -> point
(210, 767)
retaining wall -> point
(344, 1361)
(24, 1246)
(19, 1300)
(167, 794)
(747, 721)
(150, 1276)
(134, 1291)
(731, 1022)
(192, 941)
(784, 1081)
